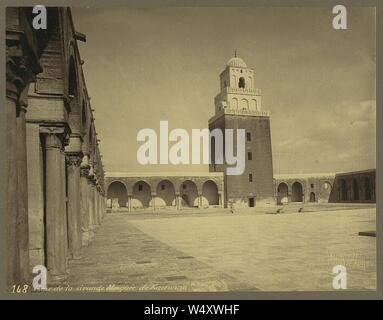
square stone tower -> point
(239, 106)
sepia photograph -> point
(190, 149)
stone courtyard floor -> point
(215, 250)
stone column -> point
(199, 200)
(178, 201)
(22, 194)
(84, 201)
(64, 191)
(12, 244)
(36, 206)
(96, 205)
(99, 211)
(91, 206)
(103, 204)
(102, 209)
(55, 205)
(154, 195)
(74, 210)
(19, 74)
(129, 202)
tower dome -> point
(236, 62)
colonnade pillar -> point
(96, 205)
(84, 202)
(199, 200)
(91, 206)
(154, 195)
(56, 235)
(20, 71)
(74, 209)
(22, 193)
(12, 244)
(178, 201)
(220, 202)
(130, 196)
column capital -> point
(73, 159)
(84, 171)
(56, 136)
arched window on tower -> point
(241, 82)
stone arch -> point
(141, 195)
(355, 189)
(282, 193)
(117, 194)
(189, 194)
(244, 104)
(312, 197)
(297, 192)
(210, 195)
(166, 194)
(72, 78)
(234, 103)
(74, 100)
(253, 104)
(343, 190)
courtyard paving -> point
(215, 250)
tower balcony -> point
(240, 112)
(256, 92)
(245, 112)
(229, 90)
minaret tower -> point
(239, 106)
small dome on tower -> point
(236, 62)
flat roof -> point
(162, 174)
(355, 172)
(303, 175)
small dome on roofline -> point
(236, 62)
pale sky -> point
(146, 65)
